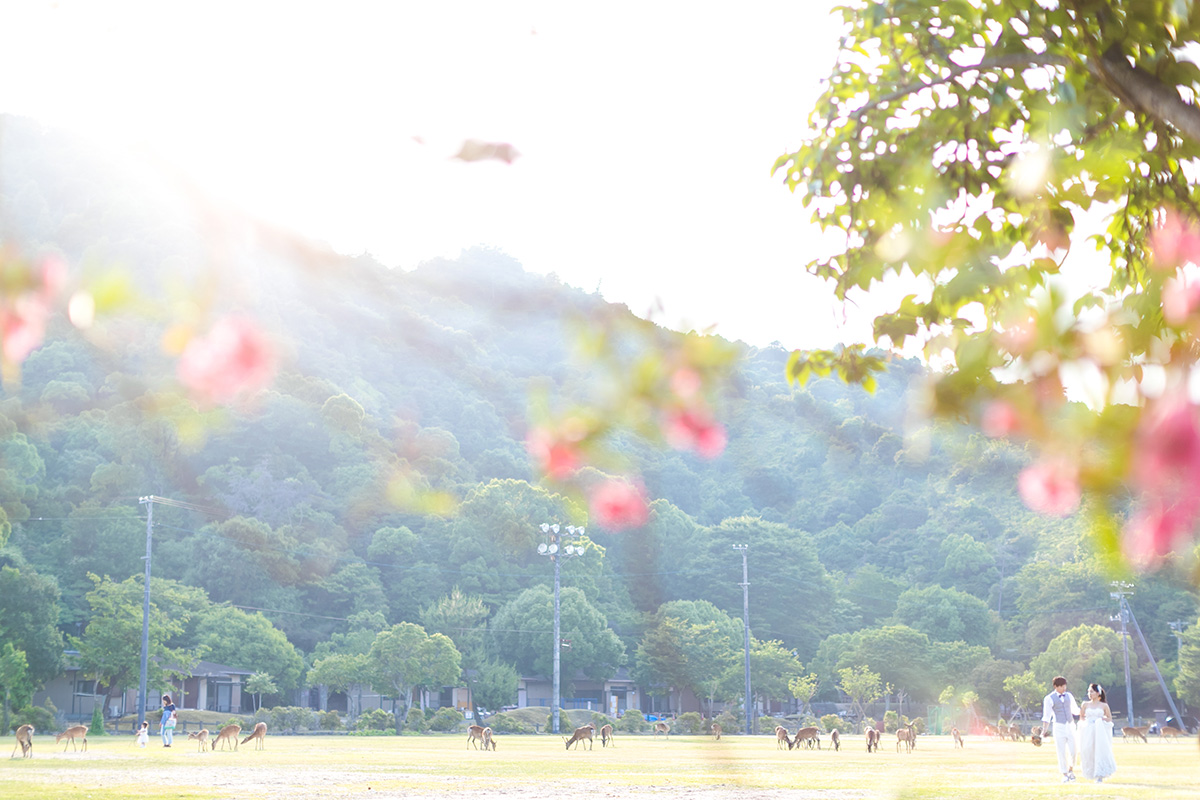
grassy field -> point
(539, 768)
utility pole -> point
(141, 701)
(1120, 590)
(746, 627)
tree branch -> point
(1143, 92)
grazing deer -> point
(872, 740)
(24, 741)
(474, 735)
(835, 739)
(1014, 733)
(228, 735)
(663, 728)
(1136, 733)
(71, 733)
(606, 736)
(808, 736)
(906, 736)
(201, 737)
(488, 739)
(716, 730)
(958, 742)
(781, 738)
(1167, 731)
(259, 735)
(583, 734)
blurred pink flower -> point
(1180, 299)
(556, 457)
(233, 360)
(23, 326)
(1000, 419)
(692, 429)
(1155, 532)
(1174, 242)
(1050, 487)
(618, 505)
(1166, 458)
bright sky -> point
(647, 132)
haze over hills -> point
(862, 518)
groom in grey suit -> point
(1060, 709)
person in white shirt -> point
(1059, 710)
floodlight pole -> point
(551, 549)
(746, 627)
(1120, 590)
(145, 665)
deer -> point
(488, 739)
(474, 735)
(716, 731)
(1014, 733)
(201, 737)
(259, 735)
(1136, 733)
(72, 732)
(835, 739)
(228, 735)
(808, 736)
(662, 727)
(1168, 731)
(781, 738)
(906, 736)
(958, 740)
(872, 740)
(583, 734)
(24, 741)
(606, 736)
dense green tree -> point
(111, 644)
(946, 615)
(772, 667)
(1084, 654)
(29, 617)
(495, 685)
(15, 685)
(249, 641)
(343, 672)
(405, 657)
(862, 686)
(524, 635)
(1187, 682)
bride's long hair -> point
(1098, 689)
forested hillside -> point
(385, 466)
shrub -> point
(600, 720)
(446, 720)
(374, 720)
(918, 724)
(831, 721)
(287, 718)
(417, 720)
(632, 721)
(97, 726)
(42, 719)
(503, 723)
(891, 721)
(689, 723)
(768, 724)
(330, 721)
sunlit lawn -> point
(535, 767)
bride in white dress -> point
(1095, 740)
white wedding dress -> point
(1095, 745)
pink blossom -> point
(1155, 532)
(54, 277)
(1000, 419)
(1050, 487)
(618, 505)
(692, 429)
(1167, 457)
(233, 360)
(1180, 300)
(556, 457)
(23, 327)
(1174, 242)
